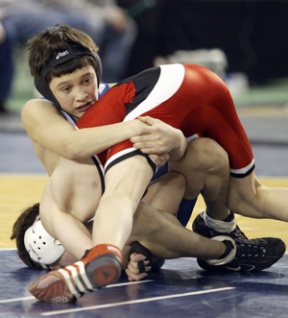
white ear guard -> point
(41, 246)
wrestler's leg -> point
(166, 193)
(171, 240)
(125, 185)
(166, 238)
(206, 168)
(112, 226)
(247, 196)
(162, 233)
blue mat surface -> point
(179, 289)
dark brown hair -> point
(23, 222)
(42, 46)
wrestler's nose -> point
(81, 93)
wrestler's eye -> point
(87, 80)
(66, 89)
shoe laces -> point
(237, 233)
(250, 250)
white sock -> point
(217, 225)
(229, 257)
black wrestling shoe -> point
(251, 255)
(201, 228)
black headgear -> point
(60, 57)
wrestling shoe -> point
(99, 267)
(199, 226)
(249, 255)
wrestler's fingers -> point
(135, 260)
(152, 129)
(135, 277)
(136, 257)
(148, 120)
(139, 269)
(159, 160)
(147, 134)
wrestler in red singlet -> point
(188, 97)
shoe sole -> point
(68, 284)
(52, 288)
(103, 270)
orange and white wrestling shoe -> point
(99, 267)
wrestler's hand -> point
(138, 267)
(160, 159)
(158, 137)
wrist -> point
(134, 127)
(178, 152)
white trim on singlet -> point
(162, 91)
(195, 136)
(243, 171)
(119, 155)
(69, 118)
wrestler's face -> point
(77, 91)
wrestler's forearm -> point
(90, 141)
(48, 128)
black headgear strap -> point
(60, 57)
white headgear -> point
(42, 247)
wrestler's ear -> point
(44, 90)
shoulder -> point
(37, 105)
(36, 108)
(40, 115)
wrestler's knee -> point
(207, 154)
(176, 179)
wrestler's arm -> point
(47, 127)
